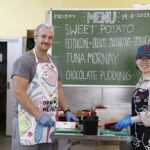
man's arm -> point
(20, 86)
(63, 104)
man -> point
(37, 87)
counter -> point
(123, 140)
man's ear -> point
(35, 37)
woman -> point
(140, 118)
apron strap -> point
(35, 56)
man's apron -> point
(43, 91)
(140, 133)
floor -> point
(95, 146)
(5, 141)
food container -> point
(112, 113)
(65, 125)
(90, 125)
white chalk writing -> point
(80, 29)
(111, 29)
(81, 75)
(95, 75)
(115, 75)
(92, 58)
(102, 17)
(97, 42)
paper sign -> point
(1, 57)
(141, 6)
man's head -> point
(43, 36)
(40, 26)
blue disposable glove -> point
(45, 120)
(71, 117)
(124, 122)
(127, 116)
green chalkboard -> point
(98, 47)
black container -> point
(90, 125)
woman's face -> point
(143, 63)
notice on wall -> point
(1, 57)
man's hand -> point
(45, 120)
(71, 117)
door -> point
(15, 47)
(3, 83)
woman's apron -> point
(43, 91)
(140, 133)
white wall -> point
(81, 98)
(15, 47)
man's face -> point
(44, 39)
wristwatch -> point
(67, 110)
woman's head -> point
(143, 59)
(142, 51)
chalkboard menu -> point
(98, 47)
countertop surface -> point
(80, 136)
